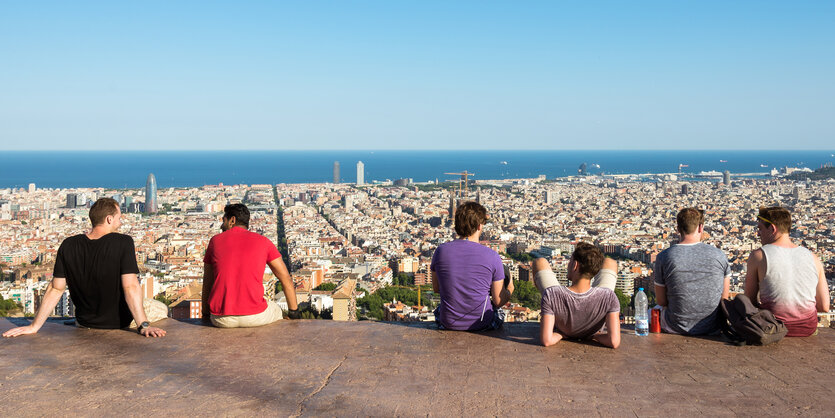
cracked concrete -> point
(314, 368)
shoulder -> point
(553, 292)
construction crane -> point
(462, 182)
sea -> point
(130, 169)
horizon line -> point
(419, 149)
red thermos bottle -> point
(655, 320)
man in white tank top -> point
(788, 279)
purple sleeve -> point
(545, 303)
(498, 269)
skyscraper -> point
(726, 178)
(151, 194)
(72, 200)
(582, 170)
(360, 173)
(32, 187)
(336, 172)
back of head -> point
(777, 216)
(468, 217)
(589, 258)
(689, 219)
(240, 212)
(103, 208)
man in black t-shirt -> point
(100, 269)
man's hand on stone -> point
(153, 332)
(15, 332)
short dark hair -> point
(468, 217)
(239, 211)
(589, 257)
(103, 208)
(777, 216)
(689, 219)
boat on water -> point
(763, 165)
(723, 161)
(711, 173)
(503, 162)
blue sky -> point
(416, 75)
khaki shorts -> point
(270, 315)
(154, 310)
(604, 278)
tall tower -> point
(336, 172)
(151, 194)
(726, 178)
(360, 173)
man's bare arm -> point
(436, 287)
(822, 290)
(208, 282)
(752, 276)
(133, 296)
(611, 338)
(546, 331)
(501, 294)
(50, 299)
(280, 270)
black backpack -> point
(743, 323)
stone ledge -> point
(379, 368)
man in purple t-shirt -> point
(467, 274)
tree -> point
(526, 294)
(521, 257)
(162, 297)
(8, 305)
(278, 287)
(327, 286)
(403, 279)
(625, 301)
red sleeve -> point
(209, 252)
(272, 252)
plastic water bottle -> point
(641, 319)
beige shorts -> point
(604, 278)
(270, 315)
(154, 310)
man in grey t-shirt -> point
(691, 278)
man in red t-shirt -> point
(233, 272)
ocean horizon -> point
(129, 169)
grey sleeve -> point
(659, 270)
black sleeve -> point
(128, 263)
(58, 271)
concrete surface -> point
(325, 368)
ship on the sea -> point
(711, 173)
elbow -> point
(615, 343)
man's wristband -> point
(142, 327)
(293, 314)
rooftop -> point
(312, 367)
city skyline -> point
(380, 75)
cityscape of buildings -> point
(363, 239)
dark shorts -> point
(495, 323)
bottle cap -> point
(640, 289)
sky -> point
(316, 75)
